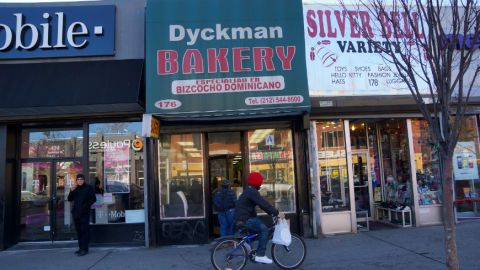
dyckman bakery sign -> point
(38, 32)
(218, 58)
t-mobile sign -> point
(38, 32)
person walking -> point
(247, 215)
(83, 196)
(224, 203)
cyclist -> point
(246, 214)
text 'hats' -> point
(255, 179)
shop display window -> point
(271, 154)
(429, 184)
(395, 162)
(181, 176)
(465, 170)
(116, 169)
(52, 143)
(332, 161)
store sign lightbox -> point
(341, 61)
(38, 32)
(217, 58)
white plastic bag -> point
(282, 235)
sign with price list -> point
(225, 58)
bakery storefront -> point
(72, 102)
(229, 92)
(370, 152)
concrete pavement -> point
(380, 248)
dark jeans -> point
(255, 224)
(227, 222)
(82, 228)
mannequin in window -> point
(178, 206)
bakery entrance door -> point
(225, 161)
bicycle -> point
(231, 253)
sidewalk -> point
(384, 248)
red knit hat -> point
(255, 179)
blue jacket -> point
(224, 199)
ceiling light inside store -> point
(191, 149)
(194, 154)
(185, 143)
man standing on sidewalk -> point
(83, 197)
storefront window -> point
(271, 154)
(52, 143)
(465, 170)
(428, 172)
(332, 162)
(181, 176)
(395, 162)
(116, 170)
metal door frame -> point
(52, 215)
(53, 190)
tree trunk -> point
(448, 214)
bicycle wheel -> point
(229, 254)
(292, 256)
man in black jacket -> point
(246, 214)
(83, 197)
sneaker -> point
(263, 259)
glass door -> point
(45, 211)
(361, 182)
(35, 201)
(224, 162)
(65, 174)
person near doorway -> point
(224, 203)
(83, 196)
(98, 200)
(98, 187)
(246, 214)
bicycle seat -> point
(242, 230)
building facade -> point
(161, 106)
(370, 151)
(72, 79)
(230, 100)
